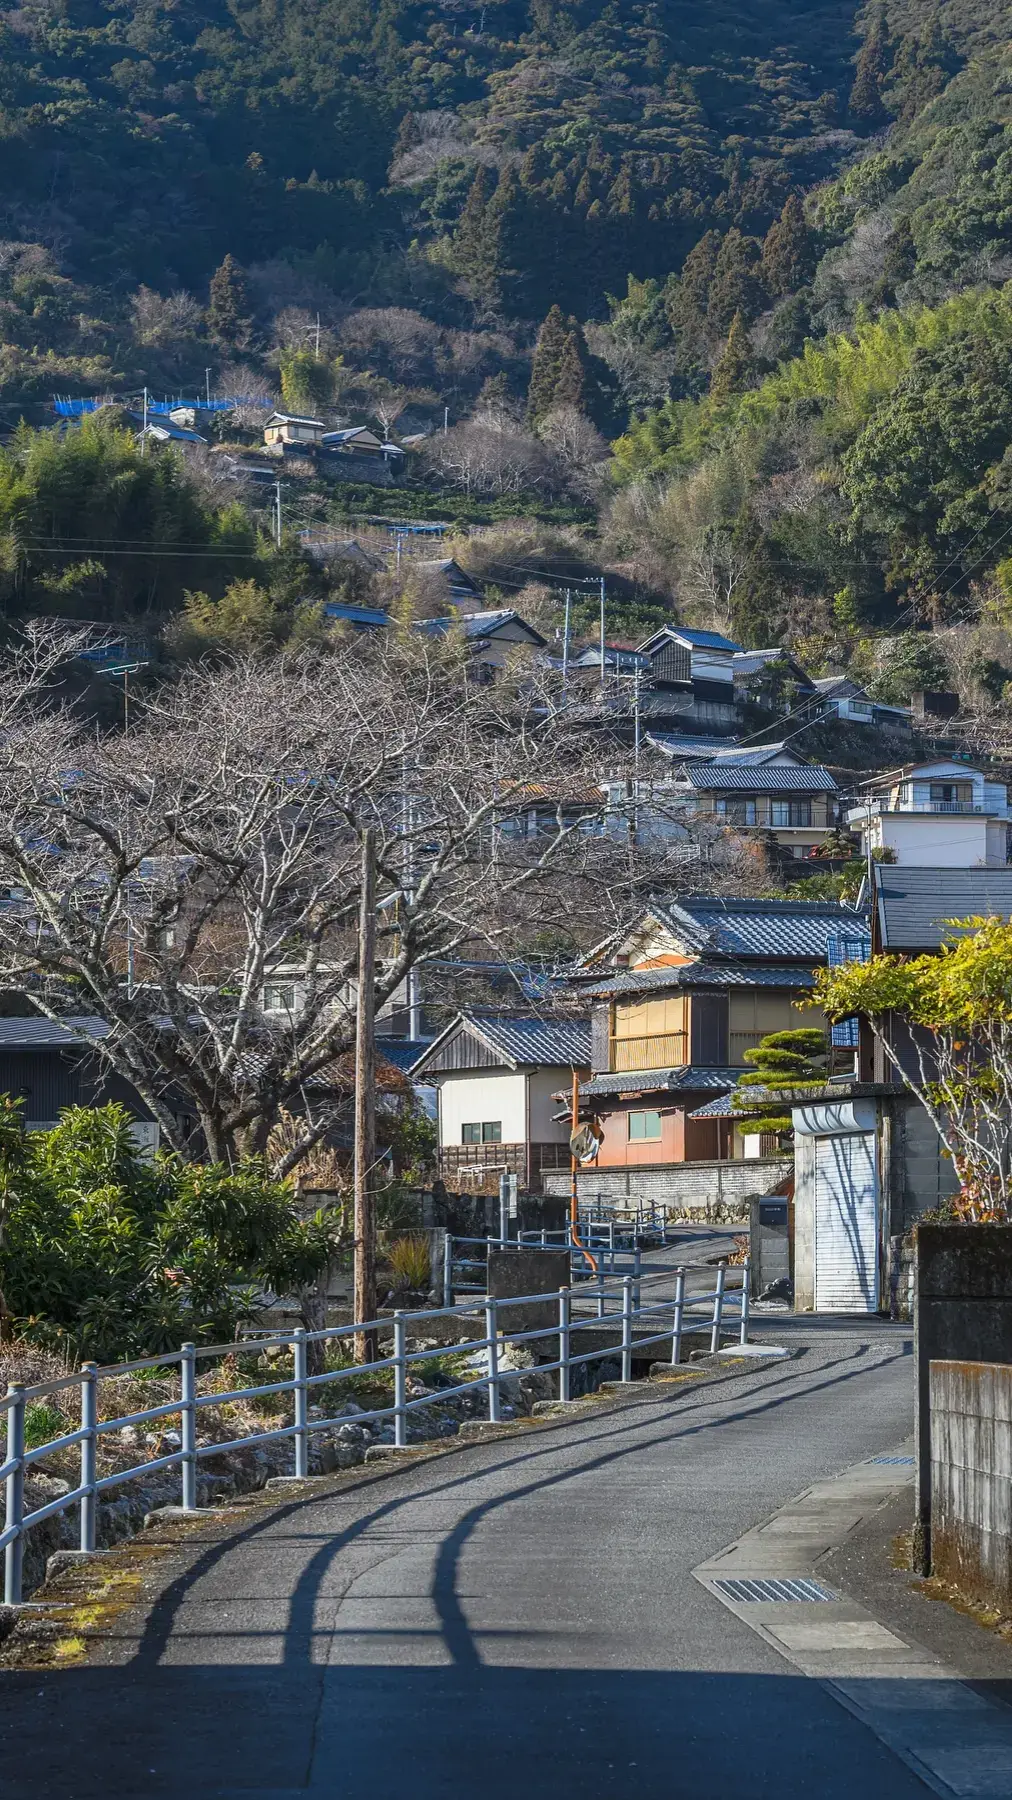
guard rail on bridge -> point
(629, 1312)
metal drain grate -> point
(907, 1461)
(795, 1589)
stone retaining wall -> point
(717, 1191)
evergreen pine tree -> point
(787, 251)
(550, 350)
(471, 246)
(686, 297)
(735, 287)
(230, 311)
(736, 367)
(571, 378)
(870, 72)
(508, 244)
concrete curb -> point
(957, 1741)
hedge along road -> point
(516, 1619)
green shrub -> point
(43, 1422)
(107, 1254)
(410, 1262)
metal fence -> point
(680, 1309)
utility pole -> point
(636, 753)
(366, 1345)
(602, 631)
(207, 384)
(565, 646)
(317, 337)
(144, 434)
(277, 514)
(446, 420)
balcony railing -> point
(876, 807)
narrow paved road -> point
(514, 1622)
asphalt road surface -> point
(517, 1621)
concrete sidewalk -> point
(777, 1580)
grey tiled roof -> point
(557, 1043)
(700, 975)
(781, 930)
(913, 903)
(782, 778)
(42, 1034)
(688, 1079)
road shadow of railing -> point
(263, 1731)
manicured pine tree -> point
(787, 251)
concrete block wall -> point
(971, 1479)
(697, 1190)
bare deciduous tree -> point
(160, 880)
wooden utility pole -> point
(366, 1344)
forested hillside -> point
(759, 250)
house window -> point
(644, 1126)
(279, 996)
(738, 812)
(950, 793)
(792, 812)
(489, 1131)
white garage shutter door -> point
(846, 1223)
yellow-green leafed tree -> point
(945, 1024)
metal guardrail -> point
(595, 1254)
(630, 1311)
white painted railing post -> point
(636, 1277)
(188, 1425)
(492, 1333)
(746, 1275)
(15, 1510)
(89, 1453)
(301, 1406)
(676, 1323)
(564, 1384)
(400, 1382)
(718, 1309)
(627, 1328)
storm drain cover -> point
(796, 1588)
(907, 1461)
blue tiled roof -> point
(356, 615)
(701, 975)
(783, 778)
(704, 640)
(784, 930)
(689, 1079)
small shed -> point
(867, 1165)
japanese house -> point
(699, 981)
(496, 1075)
